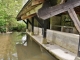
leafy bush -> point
(20, 27)
(2, 26)
(2, 30)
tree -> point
(8, 11)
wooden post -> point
(32, 26)
(44, 32)
(26, 22)
(27, 25)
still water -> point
(13, 46)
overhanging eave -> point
(29, 7)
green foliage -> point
(3, 16)
(2, 30)
(2, 22)
(8, 11)
(19, 27)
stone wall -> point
(66, 40)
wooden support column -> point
(27, 26)
(26, 22)
(38, 20)
(44, 26)
(44, 31)
(32, 25)
(29, 22)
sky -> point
(24, 1)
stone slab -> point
(59, 52)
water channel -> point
(13, 46)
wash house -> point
(53, 18)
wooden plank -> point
(35, 2)
(23, 17)
(34, 10)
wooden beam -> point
(74, 18)
(35, 2)
(55, 10)
(38, 20)
(23, 17)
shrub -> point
(21, 27)
(2, 30)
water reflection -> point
(24, 40)
(15, 47)
(8, 45)
(33, 51)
